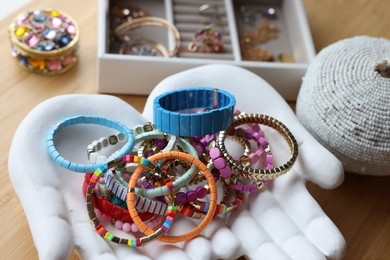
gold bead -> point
(245, 160)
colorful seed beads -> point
(107, 207)
(102, 231)
(45, 41)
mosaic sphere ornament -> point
(45, 41)
(344, 103)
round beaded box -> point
(45, 41)
(344, 103)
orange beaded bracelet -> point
(131, 197)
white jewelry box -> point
(132, 74)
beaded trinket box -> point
(45, 41)
(344, 103)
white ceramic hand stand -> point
(281, 222)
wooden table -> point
(359, 207)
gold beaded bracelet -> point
(260, 174)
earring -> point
(207, 40)
(265, 32)
(249, 42)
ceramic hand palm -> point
(281, 222)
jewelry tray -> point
(133, 74)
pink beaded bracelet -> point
(260, 174)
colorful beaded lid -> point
(45, 40)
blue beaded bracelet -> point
(170, 118)
(96, 120)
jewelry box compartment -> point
(250, 32)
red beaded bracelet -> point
(106, 207)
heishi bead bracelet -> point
(137, 242)
(169, 116)
(260, 174)
(96, 120)
(148, 164)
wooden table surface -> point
(359, 207)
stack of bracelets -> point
(176, 165)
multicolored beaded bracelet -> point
(121, 190)
(106, 207)
(177, 182)
(96, 120)
(137, 242)
(148, 164)
(117, 213)
(260, 174)
(148, 132)
(142, 204)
